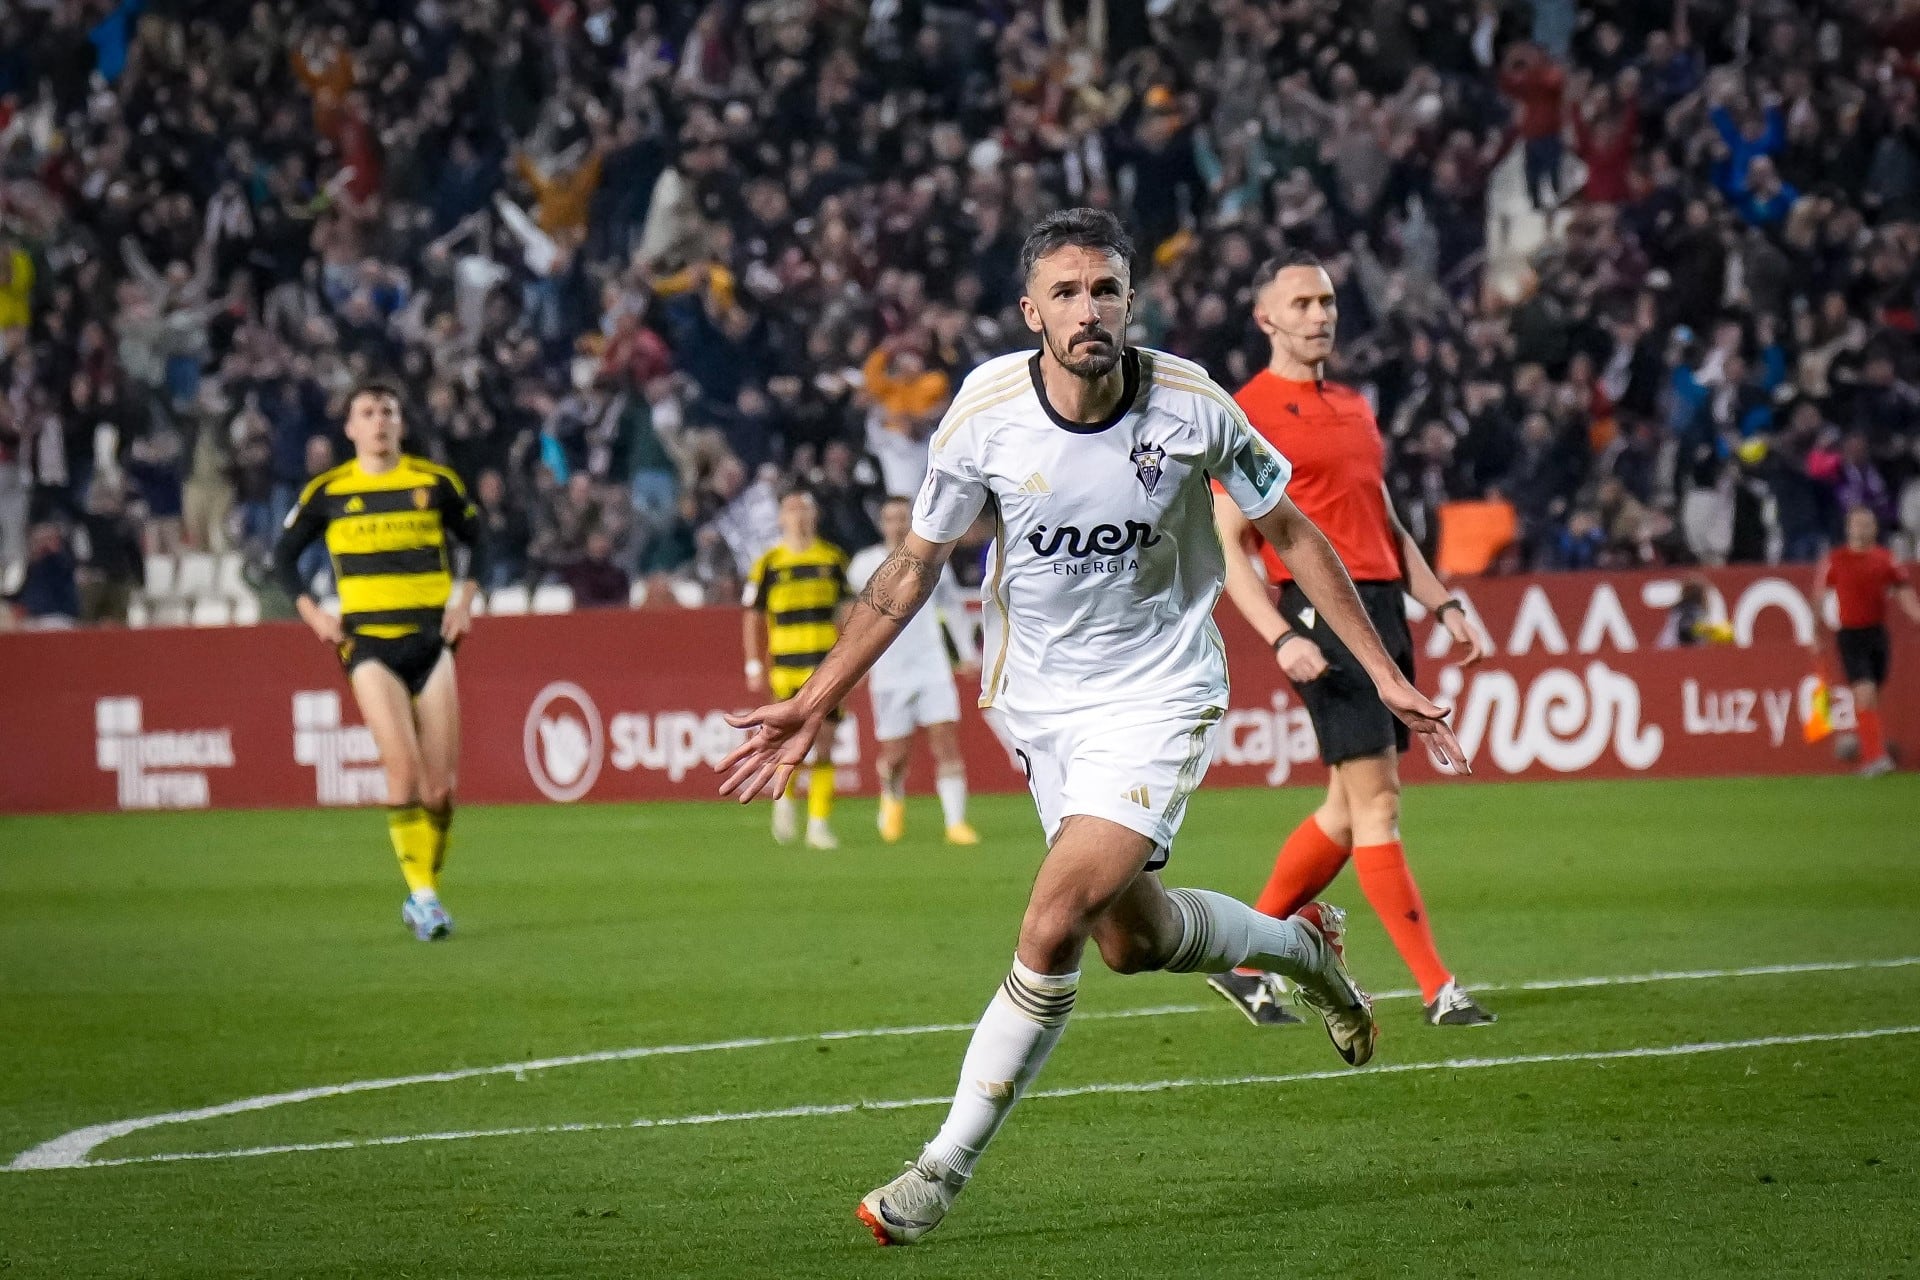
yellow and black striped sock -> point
(820, 793)
(413, 843)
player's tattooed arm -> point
(895, 592)
(901, 585)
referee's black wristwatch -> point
(1281, 639)
(1451, 602)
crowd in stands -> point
(640, 266)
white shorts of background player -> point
(900, 707)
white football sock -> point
(894, 785)
(952, 789)
(1219, 933)
(1016, 1033)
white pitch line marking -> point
(70, 1150)
(1076, 1091)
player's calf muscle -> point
(1132, 947)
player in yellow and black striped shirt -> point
(795, 593)
(386, 517)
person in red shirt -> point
(1537, 86)
(1607, 136)
(1329, 434)
(1862, 575)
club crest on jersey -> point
(422, 498)
(1149, 463)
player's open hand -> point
(455, 621)
(1466, 637)
(1300, 658)
(779, 739)
(1429, 720)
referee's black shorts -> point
(1863, 654)
(1348, 716)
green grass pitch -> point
(159, 964)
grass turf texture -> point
(155, 963)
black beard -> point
(1090, 367)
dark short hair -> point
(1075, 229)
(1282, 261)
(376, 388)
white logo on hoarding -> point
(674, 742)
(165, 769)
(1278, 738)
(563, 742)
(1562, 721)
(343, 757)
(1539, 624)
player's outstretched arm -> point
(1310, 558)
(781, 734)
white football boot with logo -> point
(904, 1210)
(1333, 994)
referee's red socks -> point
(1308, 862)
(1395, 898)
(1873, 743)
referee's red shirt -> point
(1339, 462)
(1860, 582)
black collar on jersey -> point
(1129, 362)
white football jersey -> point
(918, 654)
(1105, 565)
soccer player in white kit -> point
(911, 686)
(1104, 660)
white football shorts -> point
(899, 709)
(1131, 764)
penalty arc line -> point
(71, 1149)
(1075, 1091)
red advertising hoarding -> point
(623, 705)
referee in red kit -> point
(1862, 574)
(1339, 481)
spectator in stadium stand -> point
(562, 522)
(111, 564)
(506, 529)
(908, 397)
(1537, 86)
(848, 488)
(732, 210)
(49, 596)
(595, 579)
(1606, 137)
(154, 468)
(16, 293)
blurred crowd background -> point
(1631, 282)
